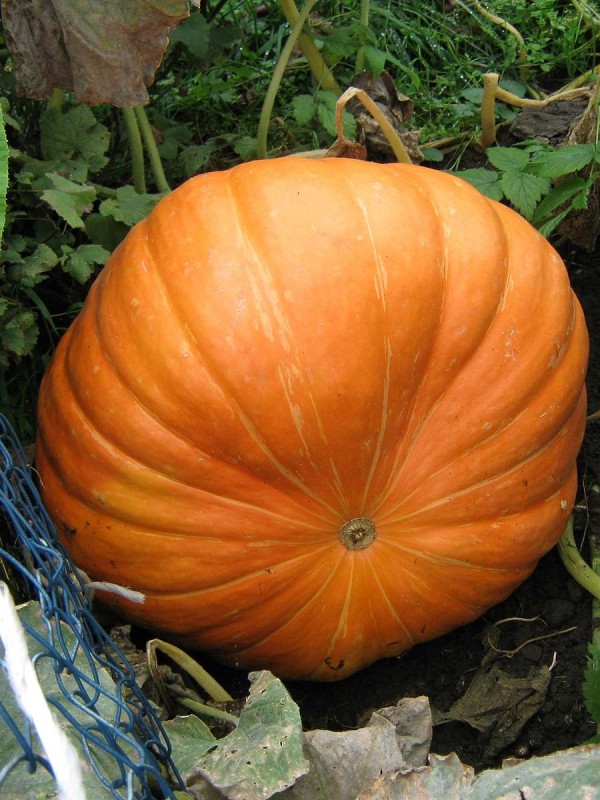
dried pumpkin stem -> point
(390, 134)
(488, 110)
(276, 78)
(194, 670)
(576, 566)
(321, 72)
(137, 150)
(208, 711)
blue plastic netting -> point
(93, 690)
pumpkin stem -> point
(358, 533)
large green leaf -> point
(262, 756)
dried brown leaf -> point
(102, 51)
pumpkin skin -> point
(294, 344)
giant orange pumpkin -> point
(317, 411)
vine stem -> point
(577, 567)
(321, 72)
(186, 662)
(365, 8)
(151, 149)
(276, 78)
(493, 92)
(137, 151)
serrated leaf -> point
(263, 755)
(245, 147)
(34, 268)
(326, 105)
(129, 206)
(340, 43)
(557, 196)
(507, 158)
(563, 161)
(195, 158)
(105, 231)
(69, 199)
(515, 87)
(20, 335)
(73, 134)
(375, 59)
(303, 108)
(432, 154)
(485, 180)
(473, 95)
(591, 684)
(80, 263)
(524, 190)
(194, 34)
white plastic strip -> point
(29, 695)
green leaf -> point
(563, 161)
(80, 263)
(326, 105)
(34, 268)
(69, 199)
(194, 34)
(591, 685)
(340, 43)
(303, 108)
(105, 231)
(19, 336)
(485, 180)
(262, 756)
(129, 206)
(245, 147)
(375, 59)
(524, 190)
(515, 87)
(507, 158)
(196, 158)
(34, 172)
(557, 196)
(474, 95)
(432, 154)
(73, 134)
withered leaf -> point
(102, 51)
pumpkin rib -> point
(355, 193)
(473, 487)
(227, 395)
(259, 261)
(380, 280)
(541, 386)
(404, 447)
(111, 449)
